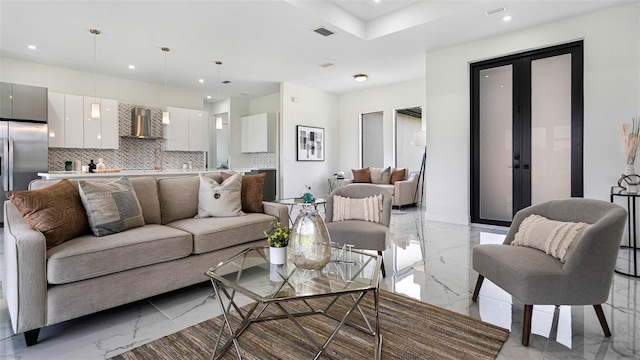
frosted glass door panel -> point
(372, 140)
(550, 128)
(496, 143)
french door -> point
(526, 131)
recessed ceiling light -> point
(200, 81)
(506, 18)
(208, 96)
(377, 1)
(326, 64)
(132, 67)
(32, 47)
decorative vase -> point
(309, 242)
(278, 255)
(629, 169)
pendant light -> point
(95, 105)
(165, 114)
(218, 118)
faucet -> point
(155, 158)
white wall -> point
(611, 97)
(312, 108)
(265, 104)
(82, 83)
(386, 99)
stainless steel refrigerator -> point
(23, 137)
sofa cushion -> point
(178, 197)
(88, 256)
(361, 175)
(380, 176)
(211, 234)
(399, 174)
(56, 211)
(252, 190)
(551, 236)
(112, 207)
(146, 188)
(220, 200)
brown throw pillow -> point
(398, 174)
(252, 190)
(56, 211)
(361, 175)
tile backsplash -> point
(132, 153)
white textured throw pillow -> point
(552, 237)
(220, 200)
(367, 209)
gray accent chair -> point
(361, 234)
(533, 277)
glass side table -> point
(293, 202)
(627, 263)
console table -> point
(627, 262)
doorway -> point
(406, 123)
(526, 131)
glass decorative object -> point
(309, 242)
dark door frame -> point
(522, 124)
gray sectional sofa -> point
(88, 274)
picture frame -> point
(309, 143)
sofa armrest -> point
(25, 282)
(405, 191)
(280, 211)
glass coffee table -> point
(349, 275)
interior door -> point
(526, 131)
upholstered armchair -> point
(361, 234)
(534, 277)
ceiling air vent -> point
(495, 11)
(324, 32)
(227, 82)
(326, 64)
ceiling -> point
(260, 43)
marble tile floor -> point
(429, 261)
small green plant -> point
(277, 235)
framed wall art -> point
(310, 143)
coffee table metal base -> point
(249, 317)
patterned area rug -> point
(410, 330)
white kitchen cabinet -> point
(73, 121)
(110, 124)
(187, 131)
(258, 133)
(55, 114)
(92, 127)
(198, 130)
(71, 126)
(176, 134)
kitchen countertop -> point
(131, 173)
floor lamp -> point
(420, 139)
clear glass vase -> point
(309, 242)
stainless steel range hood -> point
(141, 123)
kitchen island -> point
(132, 173)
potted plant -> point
(278, 239)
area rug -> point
(410, 330)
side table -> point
(627, 263)
(334, 183)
